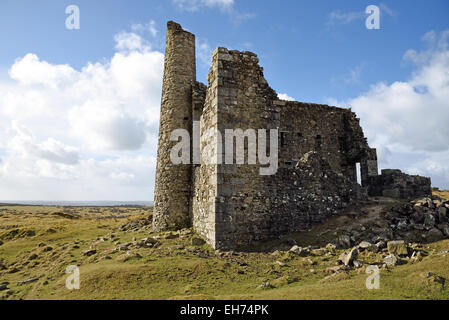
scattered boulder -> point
(33, 257)
(196, 241)
(171, 235)
(125, 246)
(445, 229)
(381, 245)
(365, 245)
(89, 252)
(274, 253)
(266, 286)
(310, 261)
(319, 252)
(348, 258)
(128, 256)
(412, 221)
(429, 221)
(442, 217)
(416, 256)
(344, 241)
(391, 260)
(336, 269)
(417, 217)
(398, 248)
(434, 235)
(443, 211)
(303, 252)
(147, 243)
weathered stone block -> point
(398, 248)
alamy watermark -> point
(73, 280)
(373, 280)
(207, 147)
(373, 20)
(72, 22)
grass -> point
(441, 193)
(41, 242)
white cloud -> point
(238, 18)
(128, 41)
(384, 9)
(150, 27)
(434, 165)
(30, 70)
(338, 17)
(107, 126)
(284, 96)
(413, 113)
(353, 76)
(24, 144)
(411, 117)
(226, 6)
(88, 134)
(195, 5)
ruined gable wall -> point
(244, 101)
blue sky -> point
(302, 50)
(316, 51)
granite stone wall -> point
(306, 189)
(396, 184)
(244, 101)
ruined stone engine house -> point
(232, 205)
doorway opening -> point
(359, 173)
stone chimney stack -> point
(173, 182)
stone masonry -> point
(233, 205)
(395, 184)
(172, 190)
